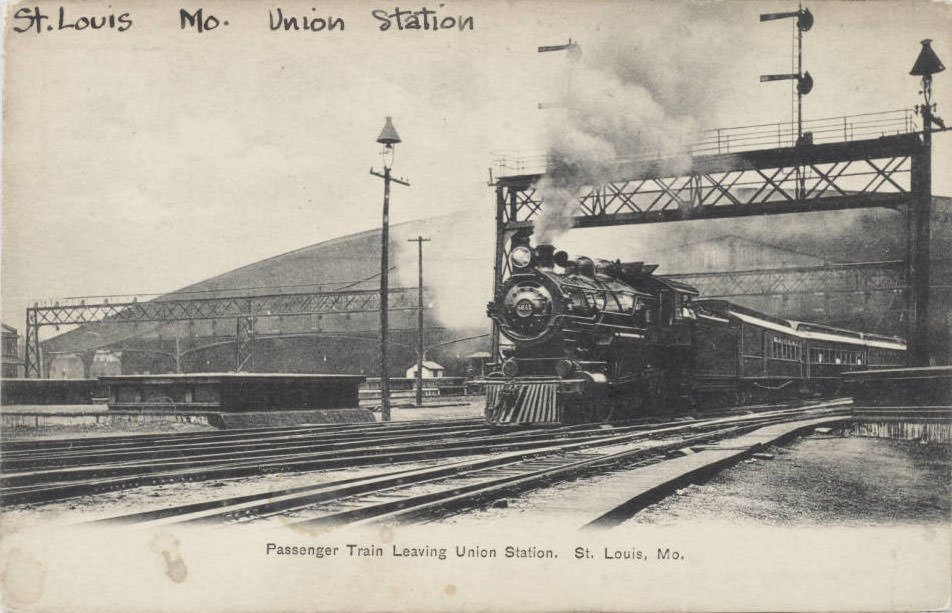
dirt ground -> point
(89, 508)
(822, 481)
(439, 408)
(816, 481)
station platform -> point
(910, 387)
(232, 392)
(40, 392)
(92, 419)
(216, 400)
(902, 403)
(86, 418)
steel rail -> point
(276, 459)
(10, 448)
(318, 446)
(188, 450)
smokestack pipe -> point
(544, 256)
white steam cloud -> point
(635, 94)
(457, 267)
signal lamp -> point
(804, 19)
(805, 84)
(510, 368)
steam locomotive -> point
(598, 341)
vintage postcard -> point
(476, 306)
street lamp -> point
(927, 64)
(388, 138)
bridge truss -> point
(886, 171)
(243, 310)
(863, 277)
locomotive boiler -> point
(595, 340)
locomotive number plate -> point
(524, 308)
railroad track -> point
(423, 493)
(46, 485)
(269, 442)
(133, 441)
(22, 456)
(66, 469)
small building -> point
(12, 361)
(66, 366)
(431, 370)
(476, 363)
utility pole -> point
(388, 138)
(419, 240)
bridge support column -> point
(920, 208)
(244, 343)
(33, 361)
(498, 265)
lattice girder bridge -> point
(244, 310)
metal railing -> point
(509, 163)
(825, 130)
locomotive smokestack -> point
(544, 255)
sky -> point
(145, 160)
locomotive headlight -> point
(520, 257)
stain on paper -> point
(23, 578)
(167, 546)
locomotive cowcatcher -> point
(597, 340)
